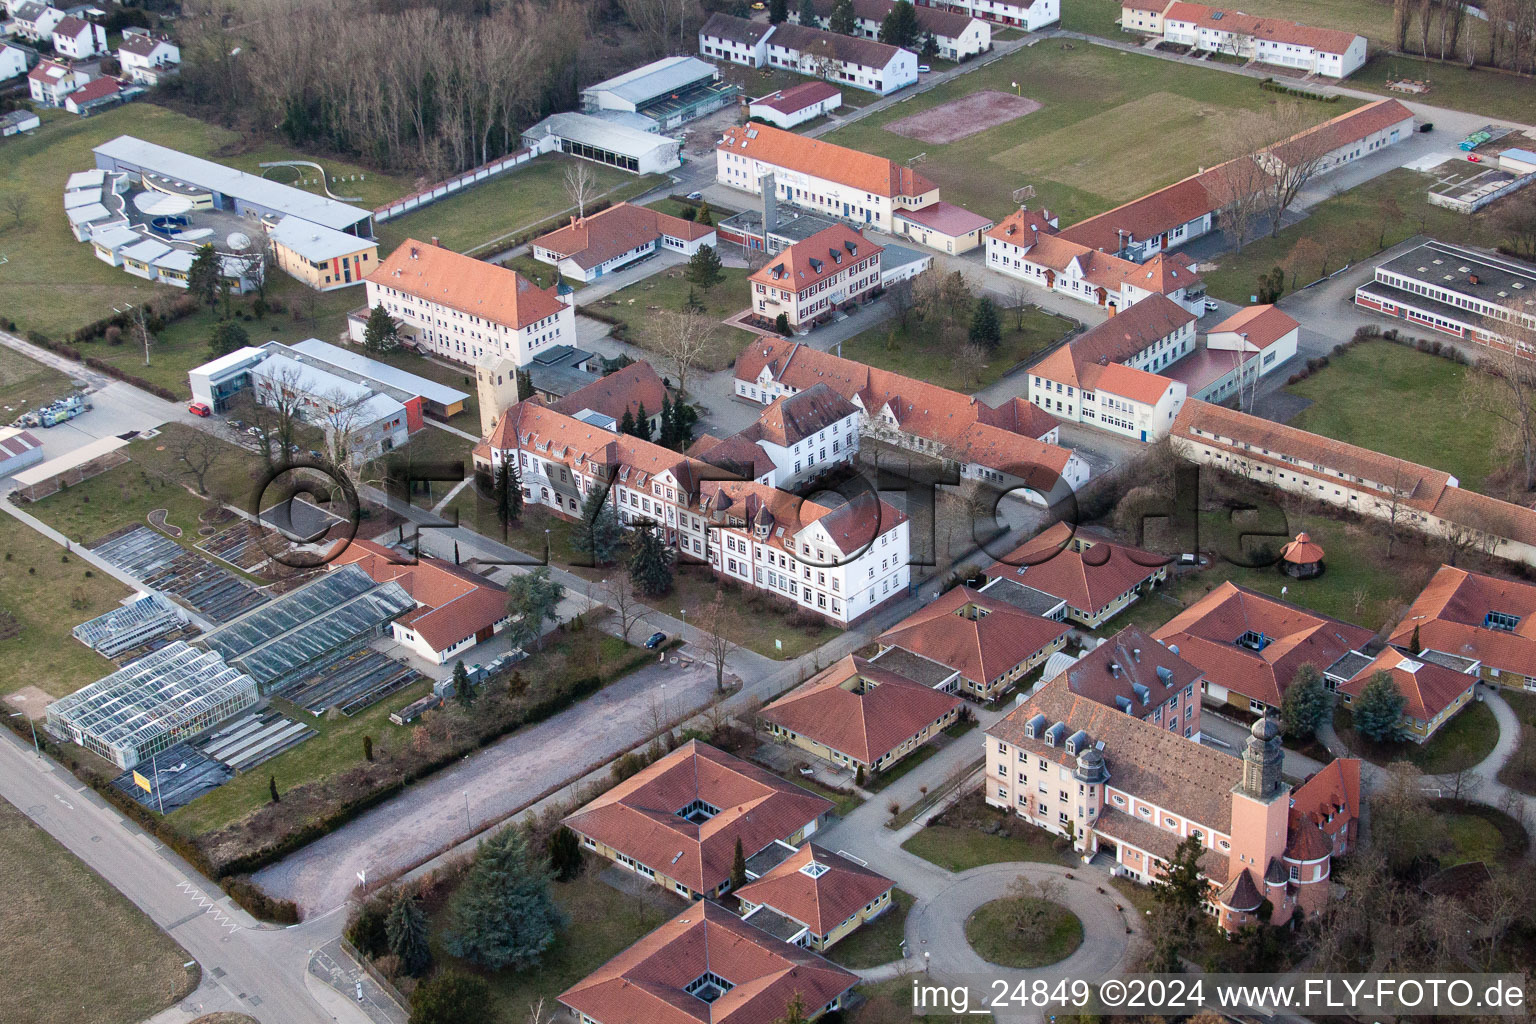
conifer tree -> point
(503, 914)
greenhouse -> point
(123, 629)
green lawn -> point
(26, 384)
(513, 204)
(1449, 433)
(1102, 135)
(1520, 771)
(993, 934)
(844, 804)
(539, 272)
(60, 918)
(916, 352)
(1347, 228)
(751, 619)
(878, 942)
(1472, 839)
(49, 594)
(603, 922)
(960, 849)
(53, 283)
(1453, 85)
(643, 307)
(1461, 743)
(1096, 18)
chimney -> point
(1472, 279)
(1136, 654)
(435, 243)
(770, 205)
(1114, 669)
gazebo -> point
(1301, 558)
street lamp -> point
(33, 724)
(466, 810)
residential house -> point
(825, 893)
(51, 82)
(1402, 493)
(455, 608)
(1236, 353)
(35, 21)
(1486, 620)
(1027, 246)
(146, 58)
(323, 258)
(991, 643)
(1315, 51)
(462, 308)
(1116, 784)
(677, 823)
(1098, 578)
(1138, 676)
(796, 105)
(798, 436)
(845, 60)
(1250, 645)
(957, 36)
(1456, 290)
(1110, 376)
(589, 247)
(76, 38)
(809, 281)
(13, 62)
(636, 389)
(718, 966)
(1030, 15)
(1433, 693)
(94, 95)
(1011, 447)
(738, 40)
(1143, 15)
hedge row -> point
(1429, 346)
(42, 340)
(1271, 85)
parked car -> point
(655, 640)
(1211, 305)
(237, 424)
(1427, 126)
(199, 409)
(1474, 158)
(695, 195)
(923, 69)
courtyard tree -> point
(597, 531)
(503, 914)
(1181, 896)
(203, 276)
(197, 453)
(900, 27)
(1378, 711)
(682, 342)
(1305, 703)
(650, 560)
(380, 333)
(778, 11)
(406, 930)
(507, 491)
(227, 337)
(524, 381)
(532, 600)
(580, 185)
(986, 329)
(704, 267)
(718, 645)
(564, 854)
(619, 596)
(1291, 163)
(642, 422)
(843, 21)
(1237, 187)
(808, 16)
(738, 866)
(451, 997)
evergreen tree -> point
(203, 276)
(704, 267)
(451, 997)
(1379, 710)
(367, 748)
(703, 215)
(808, 14)
(900, 26)
(272, 788)
(642, 422)
(843, 21)
(380, 334)
(507, 491)
(692, 304)
(524, 385)
(668, 438)
(627, 423)
(564, 854)
(794, 1011)
(532, 599)
(1304, 704)
(688, 213)
(778, 11)
(461, 686)
(1271, 286)
(406, 929)
(684, 418)
(781, 324)
(503, 915)
(1414, 643)
(1180, 896)
(227, 336)
(986, 327)
(650, 563)
(930, 48)
(597, 533)
(738, 867)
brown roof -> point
(1112, 672)
(806, 264)
(1331, 798)
(626, 390)
(1326, 40)
(1163, 273)
(819, 900)
(860, 709)
(824, 160)
(929, 19)
(1302, 550)
(1428, 688)
(1144, 759)
(738, 454)
(793, 418)
(648, 983)
(640, 816)
(740, 30)
(1207, 633)
(1340, 131)
(468, 285)
(946, 218)
(95, 89)
(592, 241)
(1241, 893)
(1154, 213)
(1451, 615)
(1114, 341)
(141, 43)
(1087, 571)
(71, 26)
(1021, 226)
(869, 53)
(1020, 417)
(797, 97)
(1260, 326)
(452, 603)
(979, 636)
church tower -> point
(1263, 760)
(1261, 809)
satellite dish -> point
(238, 241)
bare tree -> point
(682, 341)
(580, 185)
(253, 269)
(1018, 302)
(17, 204)
(899, 297)
(1517, 220)
(1239, 187)
(1503, 386)
(1291, 163)
(620, 597)
(278, 402)
(969, 361)
(197, 453)
(718, 646)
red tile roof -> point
(824, 160)
(1021, 226)
(95, 89)
(70, 27)
(793, 418)
(1341, 131)
(859, 709)
(452, 603)
(1331, 798)
(1020, 417)
(1325, 40)
(1260, 326)
(1206, 634)
(468, 285)
(592, 241)
(1087, 571)
(1302, 551)
(1115, 340)
(946, 219)
(1111, 672)
(819, 900)
(1450, 613)
(981, 637)
(1154, 213)
(629, 389)
(806, 264)
(798, 97)
(640, 816)
(648, 983)
(1429, 688)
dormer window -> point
(1501, 621)
(1254, 640)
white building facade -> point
(1028, 16)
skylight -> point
(698, 811)
(813, 870)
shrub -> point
(260, 905)
(114, 335)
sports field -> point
(1111, 126)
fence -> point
(449, 186)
